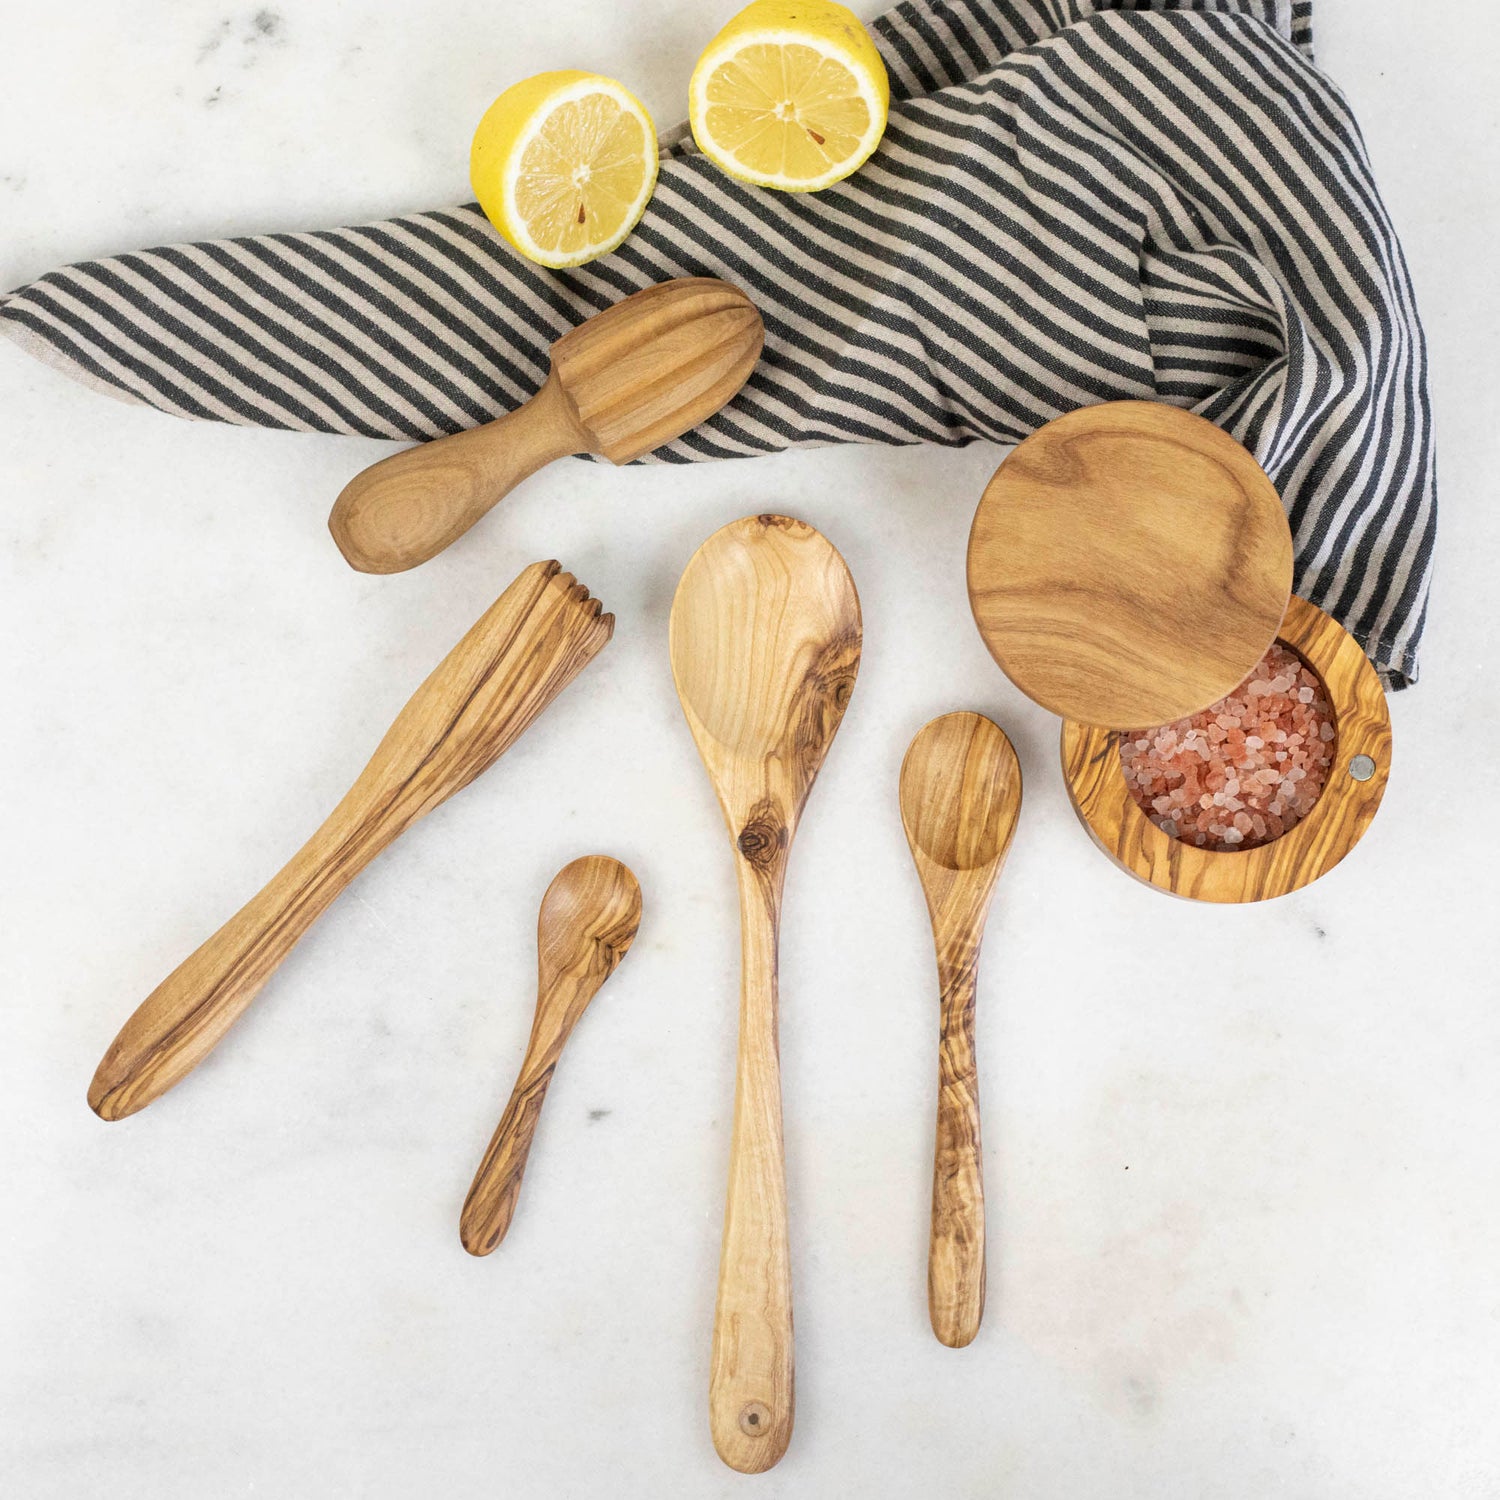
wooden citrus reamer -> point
(960, 798)
(528, 646)
(629, 379)
(765, 645)
(589, 918)
(1129, 564)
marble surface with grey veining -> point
(1240, 1162)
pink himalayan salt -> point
(1242, 772)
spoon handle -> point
(407, 508)
(751, 1376)
(955, 1262)
(491, 1203)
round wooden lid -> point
(1129, 564)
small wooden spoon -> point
(765, 643)
(960, 794)
(629, 379)
(588, 921)
(521, 653)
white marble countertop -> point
(1241, 1163)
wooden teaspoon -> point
(523, 651)
(765, 645)
(960, 794)
(588, 921)
(629, 379)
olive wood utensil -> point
(960, 795)
(588, 921)
(765, 645)
(528, 646)
(1128, 565)
(631, 378)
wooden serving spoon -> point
(960, 795)
(765, 643)
(629, 379)
(588, 921)
(524, 650)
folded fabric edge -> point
(47, 353)
(1397, 668)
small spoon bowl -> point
(959, 785)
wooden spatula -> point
(960, 795)
(588, 921)
(524, 650)
(628, 380)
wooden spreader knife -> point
(523, 651)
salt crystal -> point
(1243, 771)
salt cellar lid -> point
(1129, 564)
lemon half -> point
(563, 165)
(791, 94)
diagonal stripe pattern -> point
(1075, 201)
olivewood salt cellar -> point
(1129, 566)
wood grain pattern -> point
(1337, 822)
(1129, 564)
(960, 798)
(765, 645)
(631, 378)
(530, 644)
(588, 921)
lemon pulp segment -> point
(786, 110)
(565, 172)
(791, 94)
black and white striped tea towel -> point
(1075, 201)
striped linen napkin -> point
(1075, 201)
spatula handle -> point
(751, 1376)
(184, 1017)
(955, 1262)
(407, 508)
